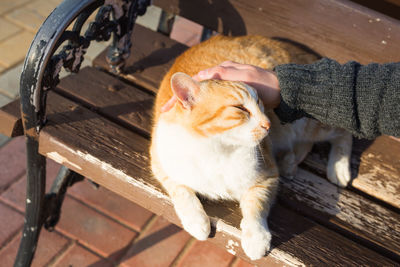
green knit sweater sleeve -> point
(364, 100)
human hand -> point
(264, 81)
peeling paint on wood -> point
(62, 160)
(231, 246)
(328, 203)
(224, 227)
(376, 165)
(106, 167)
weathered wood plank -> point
(10, 119)
(330, 205)
(339, 29)
(375, 167)
(118, 159)
(366, 223)
(115, 99)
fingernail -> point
(201, 74)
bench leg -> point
(55, 197)
(40, 208)
(36, 181)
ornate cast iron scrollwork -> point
(115, 18)
(43, 63)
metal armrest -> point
(115, 18)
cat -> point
(218, 142)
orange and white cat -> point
(214, 141)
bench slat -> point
(151, 57)
(117, 158)
(367, 222)
(365, 182)
(10, 120)
(377, 164)
(339, 29)
(344, 210)
(114, 98)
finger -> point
(206, 74)
(197, 78)
(237, 65)
(219, 72)
(170, 103)
(229, 64)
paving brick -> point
(56, 2)
(205, 254)
(7, 5)
(151, 18)
(14, 49)
(87, 62)
(49, 245)
(42, 7)
(4, 100)
(3, 140)
(159, 246)
(95, 231)
(15, 194)
(12, 161)
(79, 256)
(26, 18)
(186, 31)
(7, 29)
(11, 222)
(113, 205)
(95, 48)
(9, 81)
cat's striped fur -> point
(215, 140)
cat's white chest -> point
(205, 165)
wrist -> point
(269, 92)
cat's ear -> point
(185, 89)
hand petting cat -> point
(213, 136)
(264, 81)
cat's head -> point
(230, 111)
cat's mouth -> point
(260, 133)
(260, 137)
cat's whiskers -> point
(260, 154)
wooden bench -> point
(98, 121)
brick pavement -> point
(97, 227)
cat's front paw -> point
(197, 225)
(339, 172)
(256, 239)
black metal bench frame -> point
(115, 18)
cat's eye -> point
(241, 107)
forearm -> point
(362, 99)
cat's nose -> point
(266, 125)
